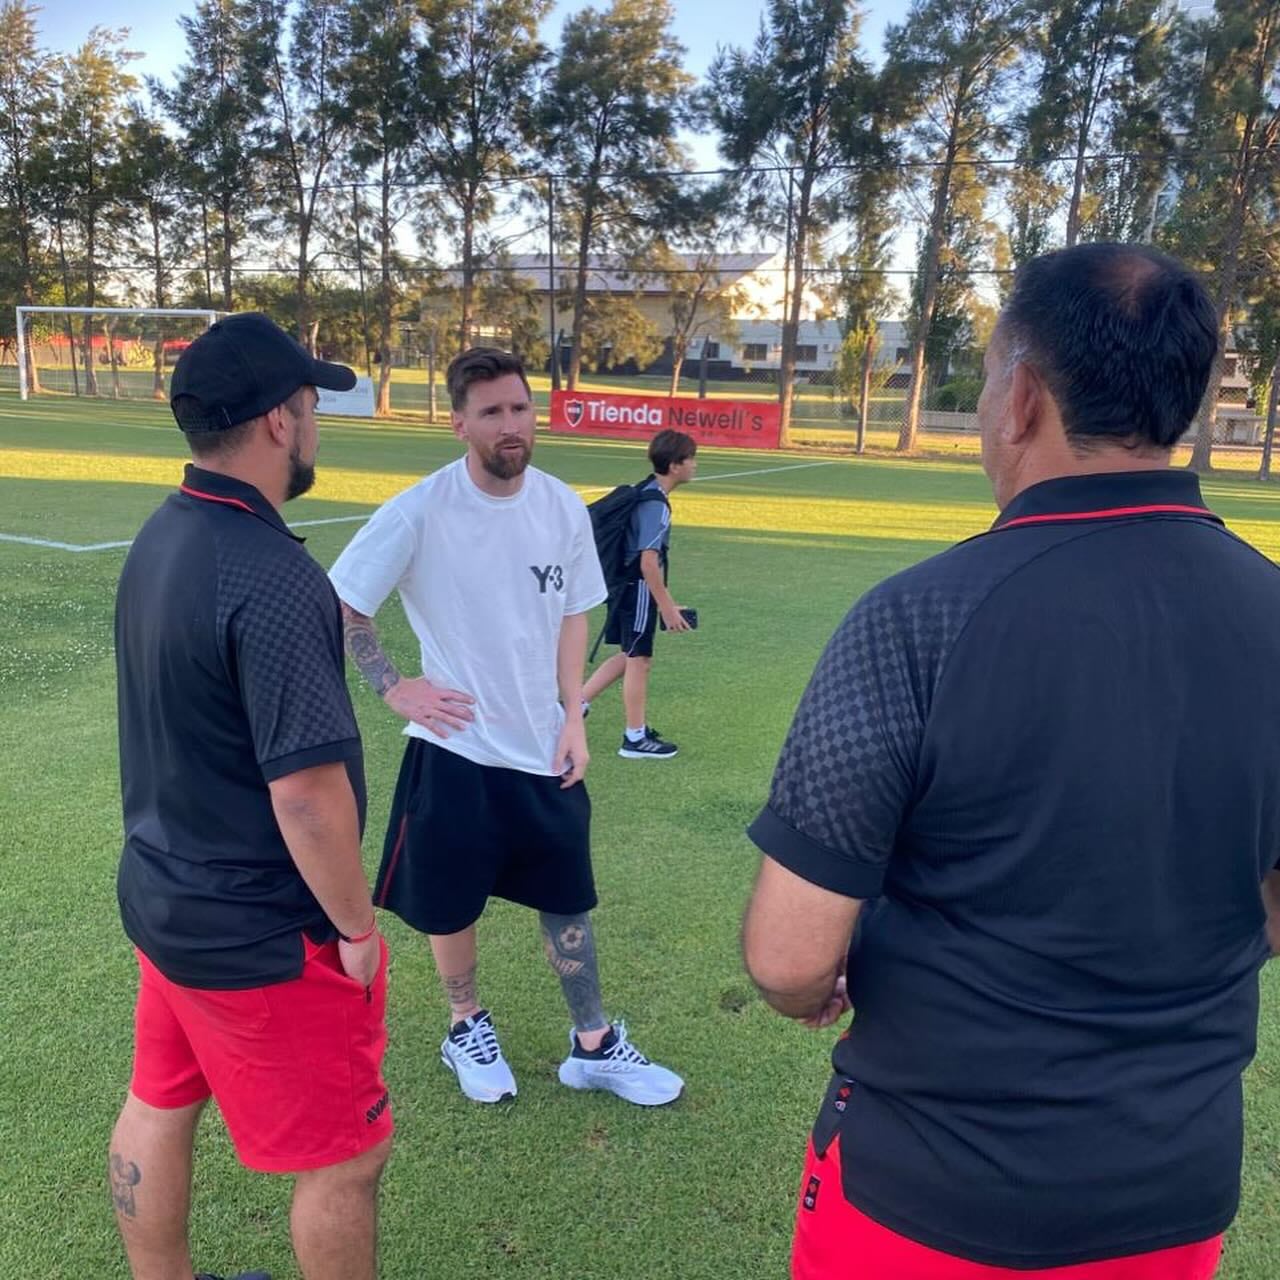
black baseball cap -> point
(242, 366)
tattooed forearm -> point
(365, 651)
(125, 1175)
(571, 948)
(461, 990)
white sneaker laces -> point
(480, 1044)
(623, 1055)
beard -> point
(506, 463)
(302, 475)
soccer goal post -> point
(119, 353)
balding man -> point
(1029, 810)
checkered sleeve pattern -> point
(847, 773)
(281, 629)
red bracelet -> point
(362, 937)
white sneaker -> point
(620, 1068)
(472, 1053)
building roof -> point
(608, 275)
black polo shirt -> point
(230, 675)
(1049, 759)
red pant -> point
(295, 1067)
(834, 1241)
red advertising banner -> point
(739, 424)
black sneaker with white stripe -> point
(653, 746)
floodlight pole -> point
(22, 356)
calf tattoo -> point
(571, 948)
(461, 990)
(366, 652)
(125, 1175)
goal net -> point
(114, 353)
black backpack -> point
(610, 520)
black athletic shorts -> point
(461, 833)
(633, 620)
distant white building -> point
(756, 284)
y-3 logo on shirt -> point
(551, 573)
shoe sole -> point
(646, 755)
(487, 1098)
(573, 1077)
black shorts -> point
(461, 833)
(633, 620)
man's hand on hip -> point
(436, 709)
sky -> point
(700, 25)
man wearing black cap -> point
(263, 975)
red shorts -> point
(834, 1241)
(295, 1067)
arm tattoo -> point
(461, 990)
(571, 948)
(125, 1175)
(365, 651)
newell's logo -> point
(812, 1187)
(573, 410)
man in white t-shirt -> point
(496, 567)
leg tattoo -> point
(461, 990)
(571, 948)
(125, 1175)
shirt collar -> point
(225, 490)
(1108, 495)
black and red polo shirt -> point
(1049, 759)
(230, 675)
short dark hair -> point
(480, 364)
(1124, 336)
(669, 449)
(223, 443)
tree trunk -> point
(227, 242)
(677, 363)
(910, 432)
(66, 302)
(385, 232)
(1207, 417)
(791, 326)
(580, 297)
(157, 384)
(306, 330)
(1077, 193)
(465, 323)
(431, 378)
(111, 357)
(1269, 429)
(208, 262)
(90, 299)
(864, 394)
(586, 227)
(1227, 276)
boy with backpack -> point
(633, 530)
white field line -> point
(764, 471)
(76, 547)
(109, 546)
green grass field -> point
(557, 1185)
